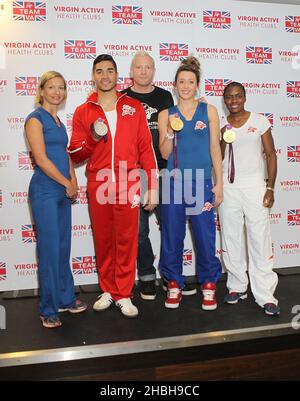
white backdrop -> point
(257, 44)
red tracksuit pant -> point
(115, 230)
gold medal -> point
(229, 134)
(176, 123)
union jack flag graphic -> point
(259, 55)
(26, 161)
(84, 265)
(69, 122)
(123, 83)
(81, 196)
(80, 49)
(293, 89)
(215, 87)
(293, 217)
(1, 198)
(200, 125)
(2, 271)
(292, 23)
(29, 10)
(173, 51)
(187, 257)
(270, 117)
(129, 15)
(216, 19)
(28, 234)
(26, 86)
(293, 154)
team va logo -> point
(81, 198)
(123, 83)
(293, 217)
(292, 23)
(26, 86)
(80, 49)
(259, 55)
(215, 87)
(270, 118)
(293, 154)
(25, 160)
(187, 258)
(28, 233)
(216, 19)
(293, 89)
(84, 265)
(127, 15)
(29, 10)
(2, 271)
(173, 51)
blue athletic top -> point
(193, 141)
(56, 141)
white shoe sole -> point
(130, 315)
(190, 292)
(209, 307)
(127, 314)
(147, 297)
(171, 306)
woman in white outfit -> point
(246, 143)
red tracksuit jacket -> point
(132, 142)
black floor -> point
(24, 331)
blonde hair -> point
(192, 64)
(46, 76)
(142, 54)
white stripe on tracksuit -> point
(245, 205)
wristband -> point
(170, 135)
(270, 189)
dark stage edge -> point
(108, 334)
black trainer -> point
(188, 289)
(148, 290)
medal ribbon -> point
(175, 151)
(231, 167)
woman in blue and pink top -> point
(189, 140)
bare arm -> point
(165, 144)
(271, 159)
(215, 152)
(73, 174)
(34, 134)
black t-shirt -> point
(154, 102)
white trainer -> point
(127, 308)
(105, 301)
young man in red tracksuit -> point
(110, 131)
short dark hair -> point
(231, 85)
(104, 57)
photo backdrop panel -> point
(248, 42)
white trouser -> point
(246, 205)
